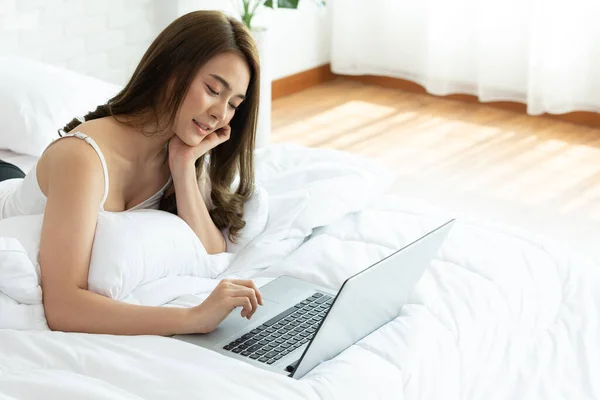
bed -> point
(499, 313)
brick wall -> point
(101, 38)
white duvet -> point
(500, 314)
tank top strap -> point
(94, 145)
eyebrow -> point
(226, 84)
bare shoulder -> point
(72, 161)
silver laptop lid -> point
(370, 299)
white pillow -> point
(37, 99)
(137, 247)
(130, 249)
(27, 230)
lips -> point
(204, 129)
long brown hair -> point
(159, 85)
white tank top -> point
(24, 196)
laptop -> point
(301, 325)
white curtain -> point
(545, 53)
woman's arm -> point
(192, 209)
(190, 204)
(74, 187)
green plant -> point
(249, 8)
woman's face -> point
(211, 101)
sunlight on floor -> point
(335, 122)
(517, 165)
(535, 173)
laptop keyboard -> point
(283, 333)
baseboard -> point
(301, 81)
(578, 117)
(306, 79)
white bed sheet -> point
(501, 314)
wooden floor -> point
(509, 166)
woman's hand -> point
(181, 155)
(229, 294)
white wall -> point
(106, 38)
(101, 38)
(299, 39)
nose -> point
(218, 110)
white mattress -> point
(501, 314)
(22, 161)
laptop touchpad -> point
(234, 321)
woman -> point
(193, 98)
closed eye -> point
(212, 91)
(215, 93)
